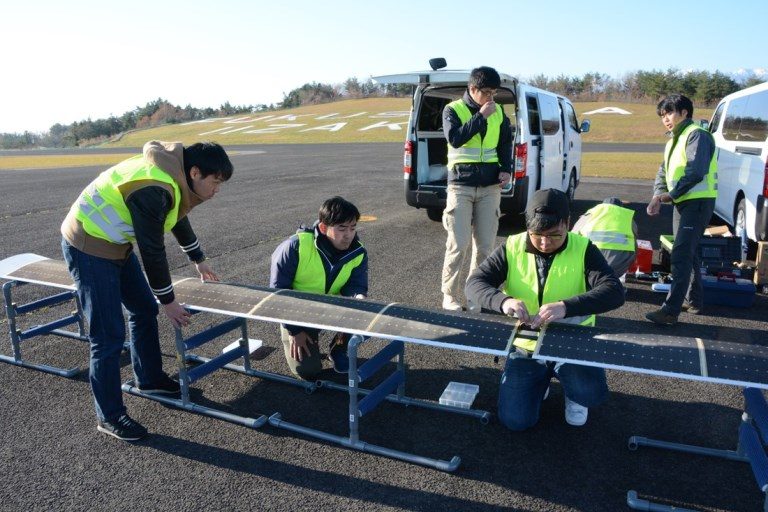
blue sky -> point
(67, 61)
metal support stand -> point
(749, 448)
(358, 407)
(206, 366)
(53, 328)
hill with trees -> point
(704, 87)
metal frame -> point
(391, 389)
(750, 448)
(204, 366)
(54, 328)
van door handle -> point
(748, 151)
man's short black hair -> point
(485, 77)
(338, 210)
(210, 158)
(546, 210)
(675, 103)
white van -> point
(547, 138)
(740, 128)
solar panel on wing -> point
(489, 334)
(675, 356)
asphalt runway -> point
(52, 457)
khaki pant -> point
(310, 365)
(471, 215)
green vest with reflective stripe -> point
(564, 280)
(310, 273)
(101, 206)
(675, 160)
(610, 227)
(476, 149)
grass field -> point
(374, 120)
(639, 166)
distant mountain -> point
(742, 75)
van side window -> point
(550, 115)
(746, 119)
(533, 114)
(754, 124)
(570, 115)
(715, 123)
(733, 119)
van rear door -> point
(551, 150)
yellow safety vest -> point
(610, 227)
(675, 161)
(310, 273)
(476, 149)
(101, 206)
(564, 280)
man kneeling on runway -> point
(136, 201)
(551, 275)
(327, 259)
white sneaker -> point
(450, 303)
(575, 414)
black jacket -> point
(604, 290)
(457, 134)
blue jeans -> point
(103, 287)
(525, 381)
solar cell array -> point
(676, 356)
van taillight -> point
(765, 180)
(407, 157)
(521, 160)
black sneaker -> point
(123, 428)
(338, 353)
(661, 318)
(165, 386)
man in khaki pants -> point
(479, 165)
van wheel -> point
(740, 217)
(435, 214)
(571, 190)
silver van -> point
(547, 138)
(740, 129)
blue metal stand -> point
(751, 447)
(54, 328)
(392, 389)
(205, 366)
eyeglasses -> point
(488, 92)
(555, 237)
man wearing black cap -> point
(551, 275)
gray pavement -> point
(52, 458)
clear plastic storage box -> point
(459, 394)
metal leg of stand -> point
(400, 398)
(129, 387)
(184, 402)
(16, 335)
(308, 387)
(353, 441)
(636, 503)
(635, 442)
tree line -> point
(703, 87)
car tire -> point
(740, 216)
(435, 214)
(571, 190)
